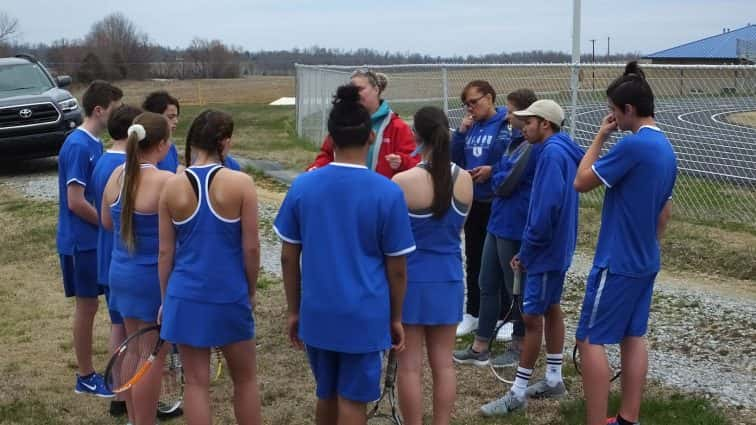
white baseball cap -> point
(546, 109)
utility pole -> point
(608, 39)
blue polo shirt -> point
(347, 219)
(109, 161)
(639, 173)
(76, 161)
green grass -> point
(674, 409)
(260, 132)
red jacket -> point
(397, 138)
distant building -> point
(730, 47)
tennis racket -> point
(389, 392)
(613, 360)
(514, 307)
(172, 385)
(133, 359)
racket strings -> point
(131, 360)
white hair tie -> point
(139, 130)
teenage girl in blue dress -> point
(438, 195)
(130, 209)
(209, 259)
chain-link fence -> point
(708, 112)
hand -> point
(516, 264)
(467, 122)
(394, 160)
(481, 174)
(608, 125)
(293, 330)
(159, 320)
(397, 336)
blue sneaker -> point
(93, 384)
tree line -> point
(115, 49)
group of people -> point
(169, 244)
(371, 245)
(371, 265)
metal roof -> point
(728, 45)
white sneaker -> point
(505, 332)
(468, 325)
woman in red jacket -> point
(394, 141)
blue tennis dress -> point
(207, 300)
(435, 289)
(134, 282)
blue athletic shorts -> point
(80, 274)
(614, 307)
(541, 291)
(355, 377)
(115, 317)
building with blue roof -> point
(730, 47)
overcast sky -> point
(434, 27)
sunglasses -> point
(472, 102)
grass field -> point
(37, 360)
(743, 118)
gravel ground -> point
(699, 342)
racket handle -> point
(517, 284)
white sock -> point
(554, 369)
(521, 382)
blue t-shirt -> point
(76, 161)
(108, 162)
(347, 219)
(639, 173)
(171, 160)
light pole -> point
(593, 60)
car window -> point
(23, 77)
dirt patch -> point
(747, 119)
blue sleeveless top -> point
(208, 264)
(145, 235)
(438, 257)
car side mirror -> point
(63, 81)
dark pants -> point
(496, 284)
(475, 235)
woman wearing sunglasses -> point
(477, 145)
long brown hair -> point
(432, 126)
(147, 131)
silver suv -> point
(36, 113)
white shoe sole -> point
(473, 362)
(94, 394)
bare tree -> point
(8, 27)
(121, 48)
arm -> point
(396, 272)
(79, 205)
(167, 240)
(325, 156)
(585, 178)
(250, 236)
(404, 145)
(661, 226)
(292, 277)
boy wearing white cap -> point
(548, 243)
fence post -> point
(298, 98)
(323, 101)
(445, 87)
(574, 81)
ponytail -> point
(432, 127)
(130, 183)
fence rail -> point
(707, 111)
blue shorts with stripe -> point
(614, 307)
(541, 291)
(355, 377)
